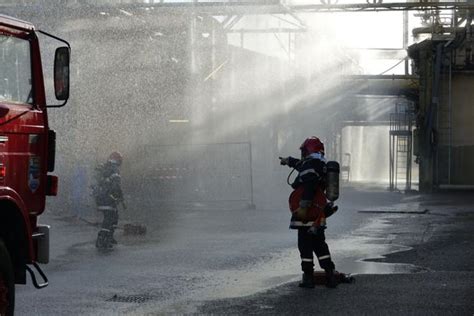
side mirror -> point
(61, 73)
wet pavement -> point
(212, 260)
(430, 274)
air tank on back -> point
(332, 180)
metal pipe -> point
(385, 77)
(428, 30)
(268, 30)
(456, 186)
(380, 6)
(450, 116)
(252, 202)
(432, 113)
(468, 41)
(405, 38)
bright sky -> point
(356, 30)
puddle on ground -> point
(349, 253)
(372, 241)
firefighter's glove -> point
(284, 161)
(330, 209)
(301, 214)
(302, 211)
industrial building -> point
(247, 80)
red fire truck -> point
(27, 154)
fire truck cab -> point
(27, 153)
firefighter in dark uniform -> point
(108, 195)
(310, 219)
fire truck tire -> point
(7, 282)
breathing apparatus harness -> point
(331, 179)
(291, 172)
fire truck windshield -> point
(15, 70)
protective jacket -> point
(108, 191)
(308, 186)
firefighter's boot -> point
(113, 241)
(103, 239)
(331, 280)
(307, 281)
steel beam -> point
(380, 6)
(224, 8)
(269, 30)
(383, 85)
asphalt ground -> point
(195, 260)
(439, 230)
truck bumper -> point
(41, 238)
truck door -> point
(22, 126)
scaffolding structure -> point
(401, 147)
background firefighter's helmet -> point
(115, 157)
(311, 145)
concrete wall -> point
(446, 155)
(455, 130)
(462, 137)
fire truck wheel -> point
(7, 284)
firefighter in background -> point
(310, 208)
(108, 195)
